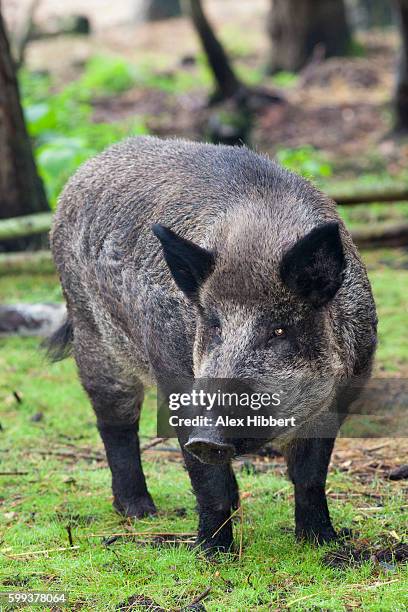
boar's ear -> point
(313, 268)
(189, 264)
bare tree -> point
(23, 33)
(297, 27)
(21, 189)
(161, 9)
(228, 84)
(401, 95)
(239, 101)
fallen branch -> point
(27, 225)
(373, 236)
(31, 262)
(39, 223)
(351, 197)
(381, 235)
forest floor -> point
(56, 486)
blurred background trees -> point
(227, 83)
(401, 95)
(298, 27)
(21, 189)
(161, 9)
(330, 94)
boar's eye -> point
(279, 332)
(272, 337)
(215, 331)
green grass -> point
(275, 572)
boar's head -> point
(262, 309)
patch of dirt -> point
(17, 581)
(370, 460)
(139, 602)
(356, 555)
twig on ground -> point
(70, 454)
(29, 553)
(152, 443)
(375, 448)
(200, 597)
(152, 534)
(241, 531)
(293, 601)
(14, 473)
(69, 532)
(226, 521)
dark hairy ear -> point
(189, 264)
(313, 268)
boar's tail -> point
(59, 345)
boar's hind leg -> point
(308, 461)
(216, 491)
(117, 406)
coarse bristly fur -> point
(180, 259)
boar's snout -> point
(209, 451)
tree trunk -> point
(297, 27)
(155, 10)
(401, 95)
(377, 13)
(228, 85)
(21, 189)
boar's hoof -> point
(345, 534)
(137, 508)
(210, 549)
(210, 545)
(317, 536)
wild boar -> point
(180, 259)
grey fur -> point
(132, 326)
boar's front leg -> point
(308, 461)
(130, 495)
(216, 491)
(117, 406)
